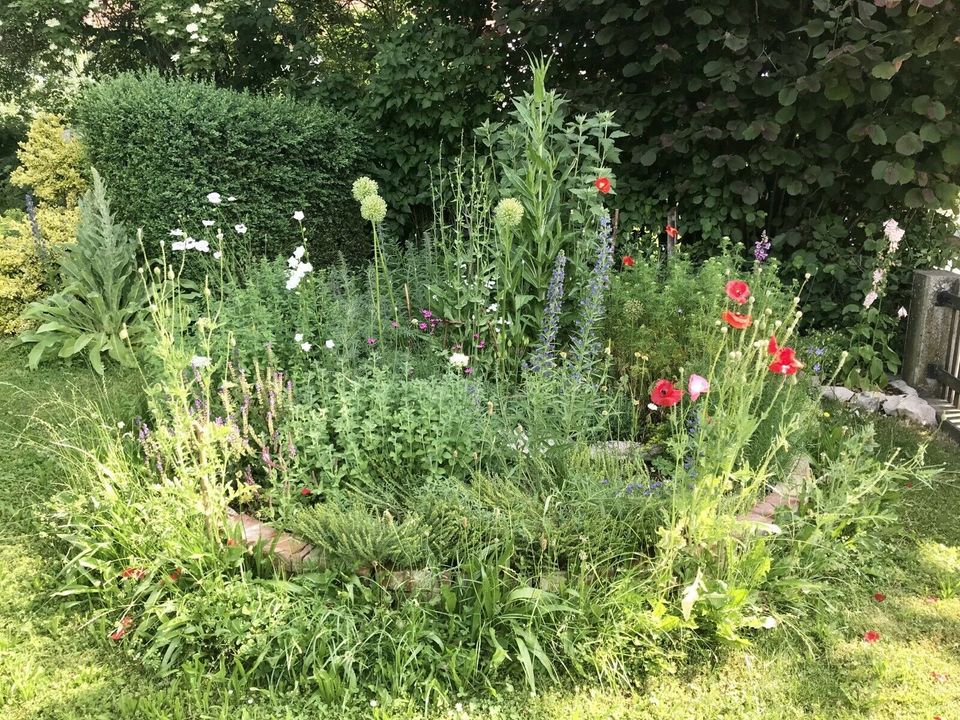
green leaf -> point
(699, 16)
(880, 91)
(929, 133)
(884, 70)
(909, 144)
(787, 95)
(632, 69)
(951, 152)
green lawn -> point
(53, 665)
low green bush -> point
(164, 145)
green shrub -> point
(101, 306)
(164, 145)
(21, 274)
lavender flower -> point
(761, 249)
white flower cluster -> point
(190, 244)
(298, 268)
(458, 359)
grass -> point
(53, 665)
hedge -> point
(163, 145)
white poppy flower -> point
(305, 346)
(231, 199)
(329, 344)
(179, 245)
(209, 223)
(217, 255)
(298, 337)
(176, 232)
(298, 215)
(214, 198)
(240, 228)
(201, 246)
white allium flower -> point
(298, 215)
(298, 337)
(200, 361)
(306, 347)
(240, 228)
(459, 360)
(177, 232)
(373, 208)
(52, 23)
(214, 198)
(192, 28)
(209, 223)
(364, 187)
(329, 344)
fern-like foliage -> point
(102, 304)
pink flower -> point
(870, 299)
(696, 386)
(738, 291)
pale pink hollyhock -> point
(697, 385)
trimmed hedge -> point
(163, 145)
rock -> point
(797, 479)
(870, 401)
(836, 392)
(915, 409)
(901, 386)
(891, 404)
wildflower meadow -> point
(320, 402)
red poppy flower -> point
(672, 231)
(737, 320)
(306, 491)
(871, 636)
(664, 394)
(231, 542)
(175, 575)
(879, 597)
(125, 624)
(133, 572)
(602, 184)
(738, 291)
(772, 346)
(785, 363)
(628, 261)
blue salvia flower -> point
(586, 342)
(542, 360)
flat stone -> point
(917, 410)
(776, 499)
(253, 530)
(289, 551)
(836, 392)
(891, 404)
(764, 508)
(903, 387)
(797, 479)
(760, 523)
(869, 401)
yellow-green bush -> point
(21, 274)
(58, 225)
(53, 162)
